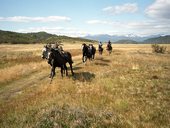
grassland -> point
(128, 89)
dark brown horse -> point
(57, 58)
(100, 50)
(88, 52)
(109, 47)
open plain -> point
(128, 89)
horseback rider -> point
(109, 45)
(100, 44)
(84, 48)
(56, 46)
(49, 45)
(100, 47)
(90, 48)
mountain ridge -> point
(106, 37)
(38, 37)
(10, 37)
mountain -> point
(126, 42)
(160, 40)
(39, 37)
(114, 38)
(43, 37)
(24, 38)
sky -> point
(78, 18)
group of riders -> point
(88, 51)
(108, 47)
(57, 57)
(90, 48)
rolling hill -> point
(39, 37)
(158, 40)
(125, 42)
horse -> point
(57, 58)
(88, 52)
(100, 50)
(92, 50)
(109, 48)
(45, 55)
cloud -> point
(125, 8)
(160, 9)
(35, 19)
(149, 27)
(143, 28)
(104, 22)
(73, 32)
(97, 22)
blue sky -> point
(84, 17)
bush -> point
(158, 49)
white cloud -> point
(143, 28)
(160, 9)
(149, 27)
(97, 22)
(104, 22)
(35, 19)
(73, 32)
(125, 8)
(140, 28)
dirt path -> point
(37, 78)
(34, 79)
(23, 83)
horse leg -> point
(65, 67)
(84, 58)
(62, 68)
(92, 56)
(64, 71)
(71, 69)
(52, 73)
(110, 52)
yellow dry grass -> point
(129, 88)
(18, 71)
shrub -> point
(158, 49)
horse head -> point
(52, 54)
(45, 52)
